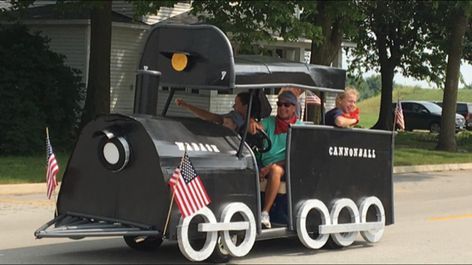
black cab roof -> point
(210, 63)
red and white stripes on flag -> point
(188, 189)
(52, 169)
(399, 119)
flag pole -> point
(173, 195)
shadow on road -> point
(114, 251)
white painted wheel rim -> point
(375, 234)
(344, 239)
(183, 237)
(302, 232)
(250, 234)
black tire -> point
(149, 243)
(434, 127)
(331, 244)
(220, 254)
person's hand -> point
(355, 114)
(254, 126)
(263, 172)
(180, 102)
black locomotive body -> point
(116, 182)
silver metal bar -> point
(89, 226)
(207, 227)
(93, 230)
(351, 227)
(275, 233)
(42, 234)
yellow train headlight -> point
(179, 61)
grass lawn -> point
(411, 148)
(418, 148)
(370, 107)
(28, 169)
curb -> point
(34, 188)
(431, 168)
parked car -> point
(464, 109)
(425, 115)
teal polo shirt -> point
(279, 142)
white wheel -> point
(344, 239)
(184, 241)
(250, 233)
(364, 205)
(302, 232)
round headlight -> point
(114, 153)
(179, 61)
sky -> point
(466, 70)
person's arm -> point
(199, 112)
(344, 122)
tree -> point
(250, 23)
(391, 39)
(457, 23)
(98, 86)
(37, 90)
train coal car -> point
(338, 182)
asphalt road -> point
(433, 224)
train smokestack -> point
(145, 97)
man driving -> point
(273, 161)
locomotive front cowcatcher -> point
(338, 181)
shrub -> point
(37, 90)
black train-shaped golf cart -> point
(338, 181)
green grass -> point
(418, 148)
(411, 148)
(370, 107)
(28, 169)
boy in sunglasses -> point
(273, 161)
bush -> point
(37, 90)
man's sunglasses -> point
(280, 104)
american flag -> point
(312, 98)
(52, 169)
(399, 119)
(188, 189)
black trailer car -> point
(338, 181)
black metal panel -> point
(210, 56)
(136, 194)
(212, 65)
(253, 70)
(139, 194)
(319, 171)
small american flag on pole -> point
(52, 168)
(188, 189)
(399, 119)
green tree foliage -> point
(36, 90)
(98, 85)
(251, 24)
(391, 41)
(367, 87)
